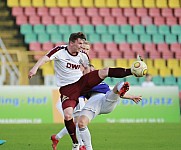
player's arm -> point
(134, 98)
(39, 63)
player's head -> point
(76, 41)
(86, 47)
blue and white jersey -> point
(100, 88)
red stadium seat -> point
(162, 47)
(17, 11)
(136, 46)
(109, 20)
(59, 20)
(98, 46)
(116, 54)
(116, 12)
(150, 47)
(134, 21)
(42, 11)
(80, 12)
(167, 54)
(142, 12)
(97, 20)
(111, 47)
(167, 12)
(129, 12)
(146, 20)
(35, 46)
(121, 20)
(84, 20)
(71, 20)
(103, 54)
(153, 54)
(175, 47)
(128, 54)
(171, 21)
(159, 21)
(21, 19)
(92, 12)
(92, 54)
(54, 11)
(177, 12)
(124, 46)
(154, 12)
(30, 11)
(67, 11)
(179, 21)
(47, 46)
(34, 20)
(104, 12)
(177, 54)
(47, 20)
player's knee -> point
(103, 73)
(82, 122)
(68, 116)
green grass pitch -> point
(104, 136)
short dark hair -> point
(75, 36)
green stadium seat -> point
(108, 81)
(141, 80)
(88, 29)
(132, 38)
(132, 80)
(176, 29)
(64, 29)
(94, 38)
(158, 38)
(106, 38)
(101, 29)
(39, 29)
(158, 80)
(164, 30)
(170, 38)
(151, 29)
(145, 38)
(117, 80)
(66, 38)
(119, 38)
(139, 29)
(26, 28)
(113, 29)
(170, 80)
(179, 38)
(43, 37)
(126, 29)
(179, 80)
(75, 28)
(51, 29)
(30, 37)
(56, 37)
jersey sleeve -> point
(85, 60)
(52, 53)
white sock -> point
(86, 138)
(119, 86)
(78, 136)
(61, 133)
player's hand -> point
(137, 99)
(31, 73)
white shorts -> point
(100, 104)
(77, 109)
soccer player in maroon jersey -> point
(68, 60)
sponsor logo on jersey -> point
(73, 66)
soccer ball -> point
(139, 68)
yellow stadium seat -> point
(174, 4)
(50, 3)
(124, 3)
(130, 62)
(75, 3)
(63, 3)
(87, 3)
(172, 63)
(177, 72)
(25, 3)
(137, 3)
(47, 69)
(100, 3)
(164, 72)
(97, 63)
(122, 63)
(153, 71)
(159, 63)
(38, 3)
(149, 63)
(149, 3)
(112, 3)
(108, 63)
(13, 3)
(161, 4)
